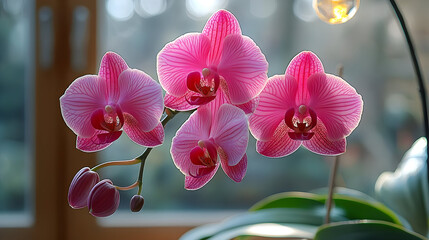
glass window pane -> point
(16, 124)
(376, 64)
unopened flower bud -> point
(81, 185)
(136, 203)
(103, 199)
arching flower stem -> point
(334, 171)
(420, 81)
(142, 158)
(115, 163)
(128, 187)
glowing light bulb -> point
(336, 11)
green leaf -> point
(301, 200)
(309, 217)
(364, 230)
(351, 208)
(356, 209)
(269, 230)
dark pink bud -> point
(103, 199)
(136, 203)
(81, 185)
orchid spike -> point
(195, 67)
(99, 107)
(207, 140)
(305, 106)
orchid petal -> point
(220, 25)
(84, 96)
(194, 183)
(141, 97)
(236, 172)
(229, 131)
(112, 65)
(321, 144)
(250, 106)
(214, 105)
(151, 138)
(277, 97)
(196, 128)
(336, 103)
(244, 68)
(279, 145)
(99, 141)
(177, 59)
(301, 67)
(180, 103)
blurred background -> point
(46, 44)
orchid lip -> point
(205, 84)
(108, 119)
(204, 156)
(301, 128)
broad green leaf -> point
(310, 217)
(348, 207)
(364, 230)
(269, 230)
(290, 200)
(355, 209)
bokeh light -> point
(203, 8)
(150, 8)
(120, 10)
(336, 11)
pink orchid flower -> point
(194, 68)
(98, 107)
(305, 106)
(207, 137)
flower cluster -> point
(222, 76)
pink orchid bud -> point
(81, 185)
(136, 203)
(103, 199)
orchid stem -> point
(420, 80)
(333, 170)
(142, 158)
(115, 163)
(331, 189)
(128, 187)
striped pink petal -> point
(236, 172)
(244, 68)
(250, 106)
(193, 183)
(99, 141)
(84, 96)
(220, 25)
(180, 103)
(321, 144)
(336, 103)
(112, 65)
(277, 97)
(152, 138)
(141, 97)
(177, 59)
(279, 145)
(196, 128)
(302, 67)
(229, 131)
